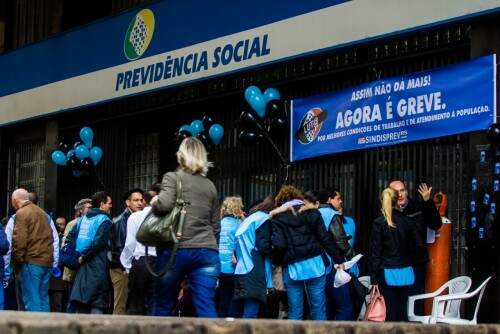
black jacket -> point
(118, 237)
(424, 215)
(393, 247)
(303, 236)
(340, 236)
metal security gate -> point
(27, 169)
(252, 172)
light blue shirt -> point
(88, 228)
(245, 238)
(307, 269)
(327, 213)
(227, 243)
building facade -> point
(136, 131)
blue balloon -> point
(271, 94)
(70, 154)
(187, 128)
(216, 132)
(251, 91)
(82, 152)
(197, 127)
(59, 158)
(95, 154)
(87, 135)
(258, 104)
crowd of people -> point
(282, 258)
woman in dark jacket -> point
(393, 241)
(91, 235)
(253, 272)
(304, 240)
(197, 255)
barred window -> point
(27, 168)
(143, 161)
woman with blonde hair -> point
(394, 238)
(197, 254)
(231, 214)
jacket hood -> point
(95, 212)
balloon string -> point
(100, 181)
(284, 162)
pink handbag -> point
(376, 309)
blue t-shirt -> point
(307, 269)
(227, 243)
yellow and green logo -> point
(139, 34)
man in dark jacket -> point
(90, 287)
(424, 215)
(134, 202)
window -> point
(27, 168)
(143, 161)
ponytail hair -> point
(388, 199)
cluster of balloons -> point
(82, 157)
(269, 114)
(205, 130)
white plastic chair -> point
(439, 306)
(365, 280)
(458, 285)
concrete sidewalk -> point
(55, 323)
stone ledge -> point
(56, 323)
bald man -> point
(32, 251)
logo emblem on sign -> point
(310, 125)
(139, 34)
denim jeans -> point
(250, 308)
(201, 266)
(35, 287)
(340, 303)
(315, 288)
